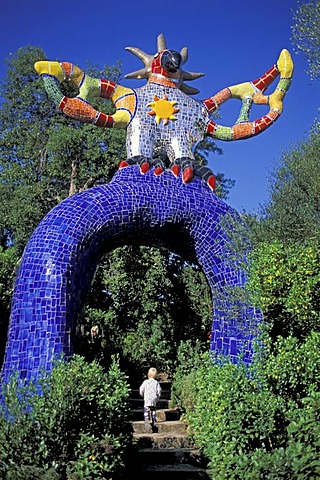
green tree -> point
(147, 300)
(45, 156)
(286, 281)
(8, 265)
(293, 212)
(284, 264)
(306, 34)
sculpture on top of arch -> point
(161, 116)
(159, 192)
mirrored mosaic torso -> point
(179, 136)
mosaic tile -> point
(61, 256)
(176, 208)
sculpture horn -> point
(161, 43)
(145, 57)
(191, 75)
(184, 54)
(142, 73)
(188, 90)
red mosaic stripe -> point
(211, 104)
(68, 68)
(104, 120)
(63, 103)
(211, 128)
(243, 130)
(106, 88)
(265, 80)
(162, 81)
(264, 122)
(222, 96)
(80, 110)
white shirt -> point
(151, 391)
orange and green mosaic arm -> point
(249, 93)
(79, 108)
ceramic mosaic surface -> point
(60, 259)
(161, 117)
(159, 196)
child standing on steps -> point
(150, 390)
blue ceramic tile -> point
(62, 254)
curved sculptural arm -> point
(249, 93)
(79, 108)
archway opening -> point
(145, 301)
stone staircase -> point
(168, 453)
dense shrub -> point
(189, 357)
(77, 428)
(286, 282)
(261, 422)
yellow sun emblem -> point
(163, 109)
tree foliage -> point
(146, 301)
(261, 425)
(293, 211)
(44, 156)
(286, 281)
(306, 34)
(78, 428)
(284, 263)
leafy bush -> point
(148, 345)
(290, 368)
(286, 282)
(261, 422)
(189, 358)
(77, 428)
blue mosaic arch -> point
(61, 257)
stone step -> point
(170, 426)
(163, 415)
(176, 472)
(169, 453)
(161, 441)
(167, 456)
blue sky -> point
(231, 41)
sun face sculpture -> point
(159, 128)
